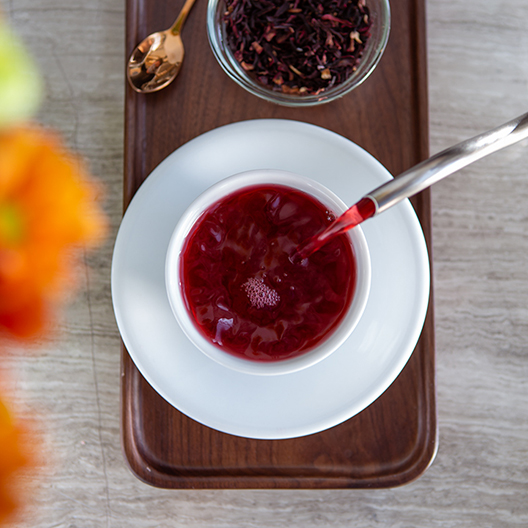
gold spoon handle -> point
(177, 26)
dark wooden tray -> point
(392, 441)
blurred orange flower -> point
(13, 457)
(48, 209)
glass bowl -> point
(380, 28)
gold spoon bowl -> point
(157, 60)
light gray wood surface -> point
(478, 71)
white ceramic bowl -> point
(173, 283)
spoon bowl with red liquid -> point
(234, 289)
(417, 179)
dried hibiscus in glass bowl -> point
(298, 53)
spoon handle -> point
(447, 162)
(178, 24)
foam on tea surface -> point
(259, 294)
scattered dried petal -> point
(278, 80)
(257, 47)
(296, 71)
(354, 35)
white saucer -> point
(290, 405)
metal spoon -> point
(449, 161)
(418, 178)
(157, 60)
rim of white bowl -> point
(173, 283)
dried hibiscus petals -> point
(303, 47)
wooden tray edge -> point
(134, 113)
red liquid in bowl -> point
(244, 292)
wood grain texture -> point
(393, 441)
(478, 78)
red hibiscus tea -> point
(244, 291)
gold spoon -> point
(157, 60)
